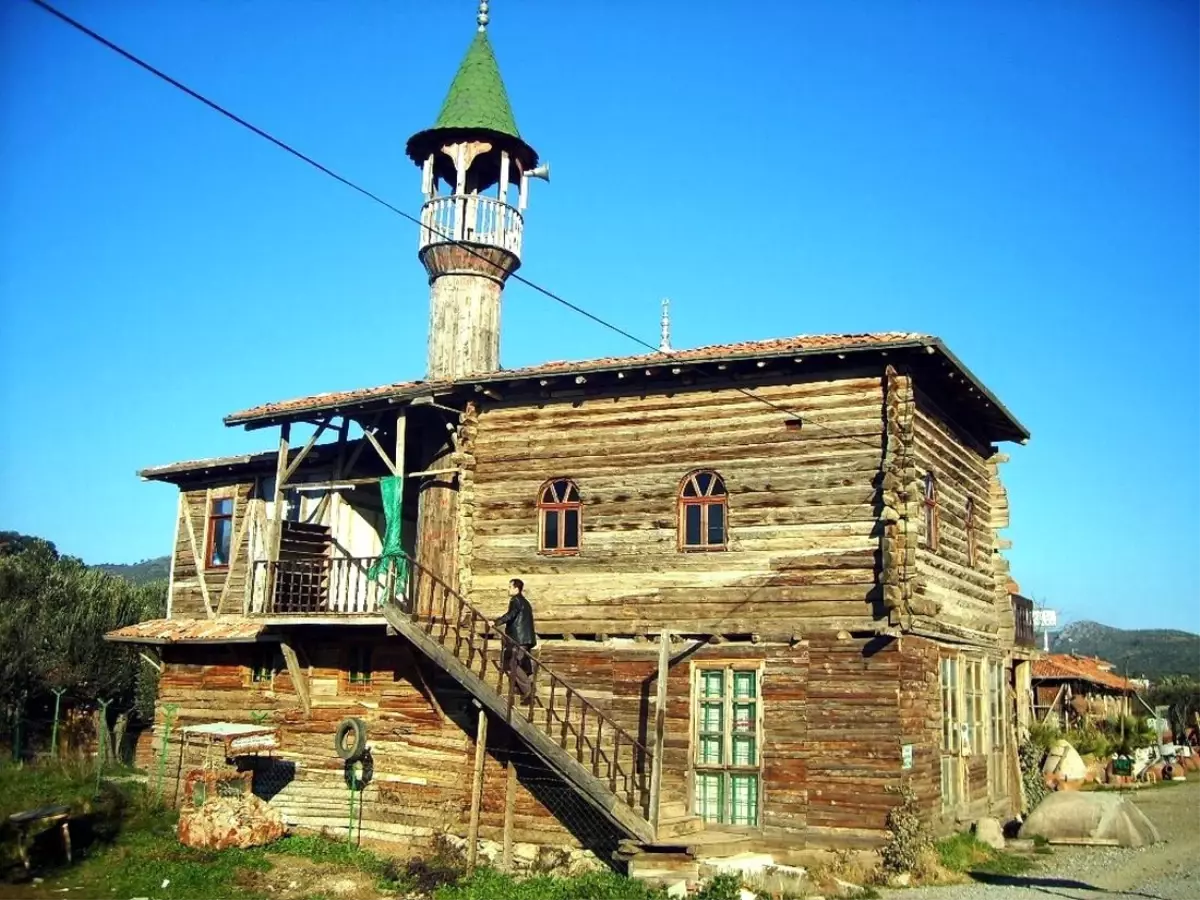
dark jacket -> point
(518, 621)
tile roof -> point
(477, 97)
(222, 629)
(1066, 666)
(715, 352)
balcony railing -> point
(1023, 621)
(472, 218)
(321, 586)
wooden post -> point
(660, 724)
(299, 678)
(510, 804)
(401, 430)
(285, 433)
(476, 790)
(504, 162)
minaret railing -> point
(473, 219)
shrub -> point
(721, 887)
(908, 836)
(1043, 736)
(1031, 756)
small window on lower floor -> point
(360, 665)
(265, 663)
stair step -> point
(674, 828)
(675, 809)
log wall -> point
(962, 592)
(188, 597)
(802, 509)
(832, 716)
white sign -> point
(253, 743)
(906, 751)
(1045, 618)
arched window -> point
(703, 504)
(972, 554)
(558, 517)
(931, 512)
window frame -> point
(727, 772)
(560, 508)
(359, 655)
(270, 655)
(929, 503)
(950, 690)
(704, 500)
(211, 522)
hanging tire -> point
(350, 739)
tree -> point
(54, 612)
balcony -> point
(1023, 621)
(474, 219)
(320, 587)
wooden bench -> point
(25, 821)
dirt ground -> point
(1167, 871)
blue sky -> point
(1019, 178)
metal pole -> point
(58, 692)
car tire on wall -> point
(350, 739)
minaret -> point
(470, 238)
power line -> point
(287, 148)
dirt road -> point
(1167, 871)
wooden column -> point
(660, 724)
(477, 790)
(285, 433)
(299, 676)
(510, 805)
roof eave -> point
(1021, 432)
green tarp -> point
(392, 557)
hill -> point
(157, 569)
(1148, 653)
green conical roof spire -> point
(477, 98)
(476, 108)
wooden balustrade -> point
(576, 725)
(474, 219)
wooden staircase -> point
(607, 765)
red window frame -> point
(558, 496)
(930, 502)
(705, 497)
(215, 517)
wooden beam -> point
(510, 805)
(196, 557)
(299, 677)
(233, 552)
(401, 432)
(295, 464)
(379, 449)
(285, 433)
(660, 724)
(477, 790)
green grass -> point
(487, 884)
(964, 853)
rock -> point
(225, 822)
(849, 887)
(903, 880)
(1020, 845)
(678, 889)
(1068, 816)
(990, 832)
(746, 894)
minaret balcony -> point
(471, 219)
